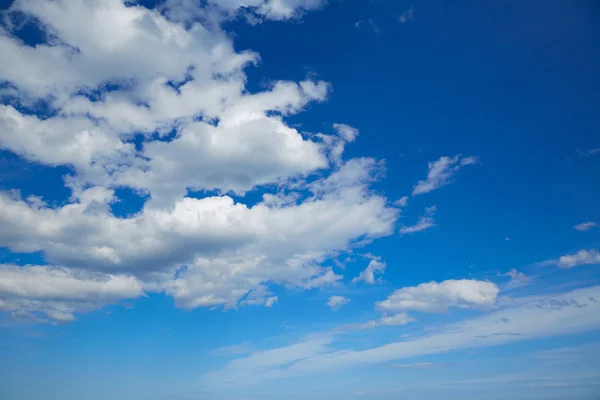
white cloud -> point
(573, 312)
(441, 172)
(438, 297)
(407, 15)
(582, 257)
(585, 226)
(369, 275)
(425, 222)
(517, 279)
(336, 302)
(588, 152)
(60, 292)
(172, 76)
(386, 320)
(401, 202)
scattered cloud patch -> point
(371, 274)
(401, 202)
(425, 222)
(438, 297)
(582, 257)
(588, 152)
(407, 16)
(517, 279)
(585, 226)
(441, 172)
(337, 302)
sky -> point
(299, 199)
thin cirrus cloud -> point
(425, 222)
(572, 312)
(441, 172)
(585, 226)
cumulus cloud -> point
(337, 302)
(33, 291)
(438, 297)
(585, 226)
(111, 73)
(582, 257)
(425, 222)
(441, 172)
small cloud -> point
(407, 15)
(517, 279)
(387, 320)
(271, 301)
(582, 257)
(507, 239)
(357, 24)
(441, 172)
(369, 275)
(336, 302)
(401, 202)
(424, 222)
(587, 153)
(374, 25)
(585, 226)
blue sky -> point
(299, 199)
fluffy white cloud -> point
(580, 258)
(170, 78)
(585, 226)
(336, 302)
(368, 275)
(438, 297)
(229, 248)
(441, 172)
(59, 292)
(425, 222)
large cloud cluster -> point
(155, 100)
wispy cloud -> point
(588, 152)
(572, 312)
(407, 16)
(425, 222)
(441, 171)
(517, 279)
(585, 226)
